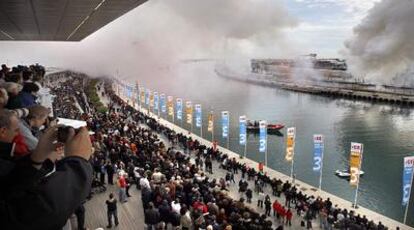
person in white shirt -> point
(176, 206)
(144, 183)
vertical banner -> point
(317, 152)
(170, 105)
(198, 116)
(355, 162)
(124, 90)
(179, 108)
(147, 95)
(189, 112)
(242, 132)
(210, 125)
(225, 124)
(156, 102)
(262, 136)
(137, 94)
(142, 95)
(151, 96)
(290, 144)
(130, 92)
(163, 104)
(407, 179)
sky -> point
(324, 25)
(159, 33)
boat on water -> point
(253, 126)
(346, 173)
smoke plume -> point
(383, 45)
(148, 42)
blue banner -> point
(156, 101)
(407, 179)
(147, 95)
(128, 91)
(163, 104)
(242, 133)
(262, 136)
(179, 106)
(317, 152)
(225, 124)
(198, 115)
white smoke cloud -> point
(149, 41)
(383, 45)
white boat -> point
(346, 174)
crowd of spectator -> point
(42, 180)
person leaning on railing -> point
(34, 193)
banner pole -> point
(245, 148)
(228, 140)
(212, 133)
(201, 127)
(293, 157)
(212, 128)
(266, 147)
(291, 168)
(409, 194)
(320, 173)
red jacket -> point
(20, 148)
(122, 182)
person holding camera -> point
(31, 197)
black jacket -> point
(152, 216)
(29, 200)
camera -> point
(63, 133)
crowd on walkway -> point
(185, 195)
(42, 180)
(179, 188)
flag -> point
(170, 105)
(142, 92)
(355, 162)
(210, 126)
(262, 136)
(163, 104)
(317, 152)
(179, 108)
(225, 124)
(128, 91)
(136, 93)
(151, 96)
(189, 112)
(407, 175)
(124, 90)
(198, 113)
(242, 132)
(290, 144)
(147, 97)
(156, 101)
